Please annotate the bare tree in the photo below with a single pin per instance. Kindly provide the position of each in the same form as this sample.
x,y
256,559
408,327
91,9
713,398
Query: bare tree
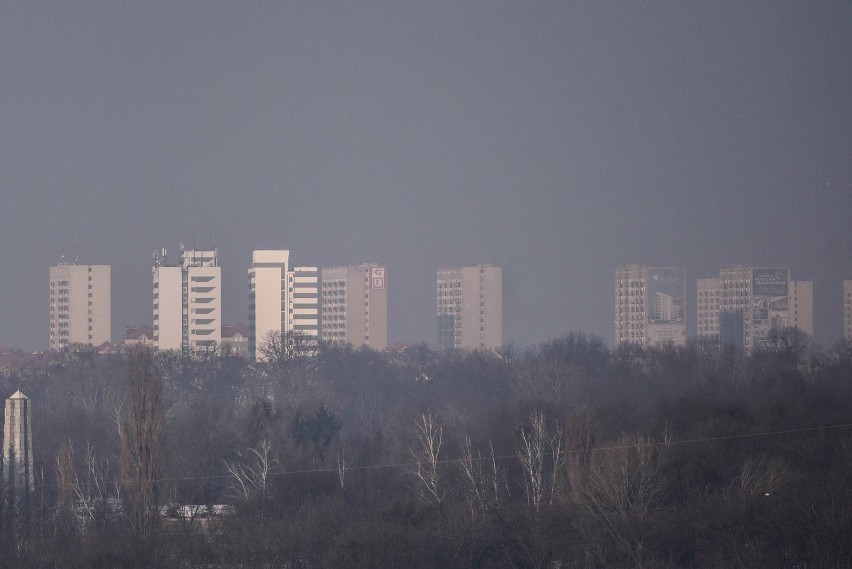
x,y
141,433
93,491
341,468
277,347
531,455
250,478
426,456
486,483
65,481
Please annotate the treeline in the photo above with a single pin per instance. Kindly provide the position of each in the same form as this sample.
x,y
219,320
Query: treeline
x,y
565,455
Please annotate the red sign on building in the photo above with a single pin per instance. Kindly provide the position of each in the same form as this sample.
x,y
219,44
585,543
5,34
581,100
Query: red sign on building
x,y
377,278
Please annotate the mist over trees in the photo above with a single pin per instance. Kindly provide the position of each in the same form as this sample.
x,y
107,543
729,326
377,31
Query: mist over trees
x,y
567,454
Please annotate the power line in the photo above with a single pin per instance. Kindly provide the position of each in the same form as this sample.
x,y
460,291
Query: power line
x,y
502,458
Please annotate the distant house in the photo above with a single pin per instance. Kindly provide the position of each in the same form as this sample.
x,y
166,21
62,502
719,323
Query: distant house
x,y
138,335
235,340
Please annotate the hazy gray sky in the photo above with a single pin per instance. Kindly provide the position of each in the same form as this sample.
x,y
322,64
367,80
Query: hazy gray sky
x,y
556,139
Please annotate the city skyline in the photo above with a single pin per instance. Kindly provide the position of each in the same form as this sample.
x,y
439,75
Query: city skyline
x,y
659,309
556,140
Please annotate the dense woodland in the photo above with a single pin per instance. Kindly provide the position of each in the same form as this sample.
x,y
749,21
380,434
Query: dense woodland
x,y
565,455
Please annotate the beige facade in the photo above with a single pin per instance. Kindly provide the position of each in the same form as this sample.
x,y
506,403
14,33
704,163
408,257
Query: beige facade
x,y
801,306
709,300
650,305
267,295
758,301
80,305
355,306
17,445
470,307
188,302
281,298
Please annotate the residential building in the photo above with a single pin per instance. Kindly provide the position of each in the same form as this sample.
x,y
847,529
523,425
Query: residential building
x,y
80,305
355,306
138,336
470,307
267,295
801,306
235,340
18,473
650,305
847,310
709,301
281,298
188,301
757,299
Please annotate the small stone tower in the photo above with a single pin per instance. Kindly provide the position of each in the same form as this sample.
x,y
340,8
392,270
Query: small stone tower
x,y
18,447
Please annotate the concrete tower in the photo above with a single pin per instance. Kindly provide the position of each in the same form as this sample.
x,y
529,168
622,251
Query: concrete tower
x,y
17,448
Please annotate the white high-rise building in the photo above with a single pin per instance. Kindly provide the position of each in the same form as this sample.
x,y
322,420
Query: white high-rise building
x,y
355,306
267,295
80,305
709,304
801,306
847,310
470,307
756,302
188,301
650,305
281,298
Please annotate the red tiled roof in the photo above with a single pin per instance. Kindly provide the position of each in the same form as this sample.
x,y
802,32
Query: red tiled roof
x,y
231,331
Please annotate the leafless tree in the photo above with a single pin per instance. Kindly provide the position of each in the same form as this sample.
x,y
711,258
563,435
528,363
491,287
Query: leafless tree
x,y
277,347
93,491
341,468
140,432
486,483
531,456
426,456
250,478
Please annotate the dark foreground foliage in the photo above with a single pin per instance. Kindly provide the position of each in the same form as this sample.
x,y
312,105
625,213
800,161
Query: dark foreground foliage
x,y
566,455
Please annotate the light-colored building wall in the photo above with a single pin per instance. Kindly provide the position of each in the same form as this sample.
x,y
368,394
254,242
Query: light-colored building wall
x,y
267,295
281,298
355,306
763,307
470,307
303,311
709,300
168,308
801,306
18,473
188,302
650,305
80,305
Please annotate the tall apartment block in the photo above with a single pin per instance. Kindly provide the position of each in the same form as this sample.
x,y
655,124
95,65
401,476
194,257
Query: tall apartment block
x,y
80,305
756,301
281,298
470,307
187,301
801,306
18,448
709,305
355,306
847,310
650,305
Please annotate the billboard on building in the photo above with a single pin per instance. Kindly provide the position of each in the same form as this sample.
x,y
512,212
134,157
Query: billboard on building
x,y
769,290
378,278
666,287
